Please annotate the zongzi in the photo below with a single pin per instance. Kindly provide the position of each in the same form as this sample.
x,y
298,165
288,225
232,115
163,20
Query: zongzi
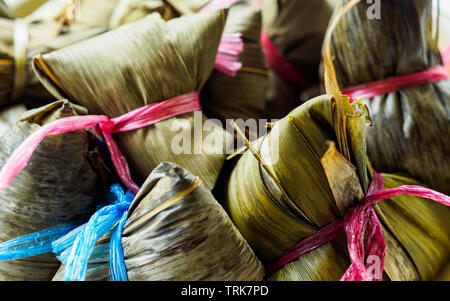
x,y
290,185
45,29
179,57
62,183
293,31
242,96
176,230
274,209
411,122
54,25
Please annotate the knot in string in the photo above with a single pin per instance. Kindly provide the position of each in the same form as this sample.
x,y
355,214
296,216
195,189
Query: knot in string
x,y
107,127
104,127
365,239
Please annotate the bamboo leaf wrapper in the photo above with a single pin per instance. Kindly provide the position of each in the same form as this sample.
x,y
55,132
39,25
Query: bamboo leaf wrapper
x,y
176,230
178,58
52,26
62,183
274,211
45,29
414,119
295,28
242,96
9,116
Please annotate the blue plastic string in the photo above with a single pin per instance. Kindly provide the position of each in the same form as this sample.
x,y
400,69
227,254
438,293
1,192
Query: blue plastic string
x,y
81,249
73,243
63,243
63,246
117,268
33,244
81,245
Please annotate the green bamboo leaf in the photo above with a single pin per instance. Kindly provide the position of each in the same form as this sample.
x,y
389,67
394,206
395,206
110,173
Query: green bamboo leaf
x,y
274,211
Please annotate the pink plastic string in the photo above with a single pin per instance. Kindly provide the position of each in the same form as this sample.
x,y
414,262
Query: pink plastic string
x,y
133,120
356,223
388,85
281,65
227,60
231,45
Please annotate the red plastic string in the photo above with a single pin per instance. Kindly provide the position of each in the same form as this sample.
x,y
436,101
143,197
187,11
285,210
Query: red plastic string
x,y
281,65
356,223
384,86
133,120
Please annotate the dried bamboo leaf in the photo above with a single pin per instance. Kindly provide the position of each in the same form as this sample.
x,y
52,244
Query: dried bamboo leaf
x,y
22,8
296,28
61,183
398,265
323,264
5,12
127,11
54,25
176,230
59,23
9,116
342,178
43,31
243,96
179,58
185,7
